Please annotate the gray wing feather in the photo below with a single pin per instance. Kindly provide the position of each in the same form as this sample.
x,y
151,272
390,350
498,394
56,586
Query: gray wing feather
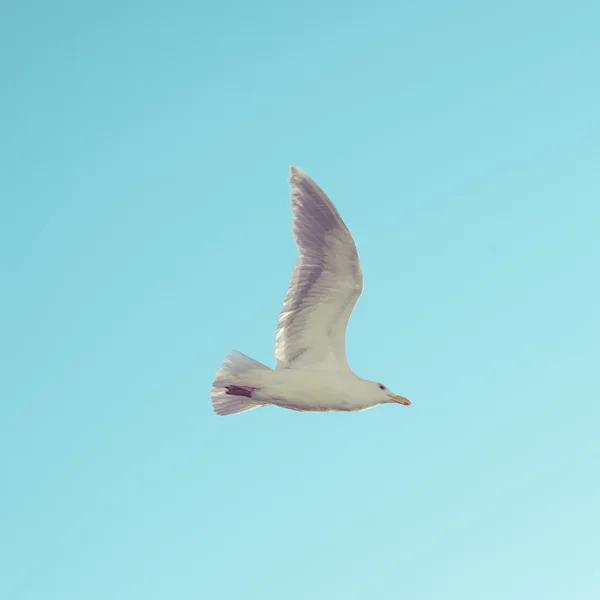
x,y
325,286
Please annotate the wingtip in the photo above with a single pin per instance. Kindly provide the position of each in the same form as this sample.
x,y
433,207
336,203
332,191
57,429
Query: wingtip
x,y
296,173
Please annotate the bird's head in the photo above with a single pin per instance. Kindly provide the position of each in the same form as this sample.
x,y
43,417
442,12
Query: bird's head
x,y
386,396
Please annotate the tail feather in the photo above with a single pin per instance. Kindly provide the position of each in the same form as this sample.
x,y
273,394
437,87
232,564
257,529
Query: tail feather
x,y
232,390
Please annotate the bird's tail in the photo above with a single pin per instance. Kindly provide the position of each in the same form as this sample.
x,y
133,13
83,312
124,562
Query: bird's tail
x,y
236,384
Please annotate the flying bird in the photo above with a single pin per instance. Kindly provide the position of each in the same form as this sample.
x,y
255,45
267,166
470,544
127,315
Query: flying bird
x,y
312,373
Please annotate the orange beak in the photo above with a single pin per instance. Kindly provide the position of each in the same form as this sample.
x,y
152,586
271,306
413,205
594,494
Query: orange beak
x,y
401,400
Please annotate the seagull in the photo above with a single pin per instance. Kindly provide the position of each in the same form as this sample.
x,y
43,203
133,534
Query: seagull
x,y
312,373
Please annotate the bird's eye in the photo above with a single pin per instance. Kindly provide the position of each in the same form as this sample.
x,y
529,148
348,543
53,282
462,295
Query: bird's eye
x,y
381,387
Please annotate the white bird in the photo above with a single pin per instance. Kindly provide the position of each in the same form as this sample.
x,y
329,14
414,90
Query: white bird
x,y
312,373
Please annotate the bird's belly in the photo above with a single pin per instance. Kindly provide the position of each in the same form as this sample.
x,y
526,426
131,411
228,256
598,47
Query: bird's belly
x,y
305,394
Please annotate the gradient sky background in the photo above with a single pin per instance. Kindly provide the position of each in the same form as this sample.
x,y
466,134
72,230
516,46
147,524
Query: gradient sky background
x,y
145,232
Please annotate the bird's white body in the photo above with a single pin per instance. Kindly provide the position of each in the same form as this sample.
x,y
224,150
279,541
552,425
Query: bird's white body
x,y
317,390
312,374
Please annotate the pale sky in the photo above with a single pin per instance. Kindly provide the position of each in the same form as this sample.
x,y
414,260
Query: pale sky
x,y
146,231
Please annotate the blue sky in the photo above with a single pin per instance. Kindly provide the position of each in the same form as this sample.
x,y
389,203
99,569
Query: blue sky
x,y
145,232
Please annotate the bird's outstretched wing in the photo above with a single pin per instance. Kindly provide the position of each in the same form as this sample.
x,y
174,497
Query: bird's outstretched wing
x,y
325,286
